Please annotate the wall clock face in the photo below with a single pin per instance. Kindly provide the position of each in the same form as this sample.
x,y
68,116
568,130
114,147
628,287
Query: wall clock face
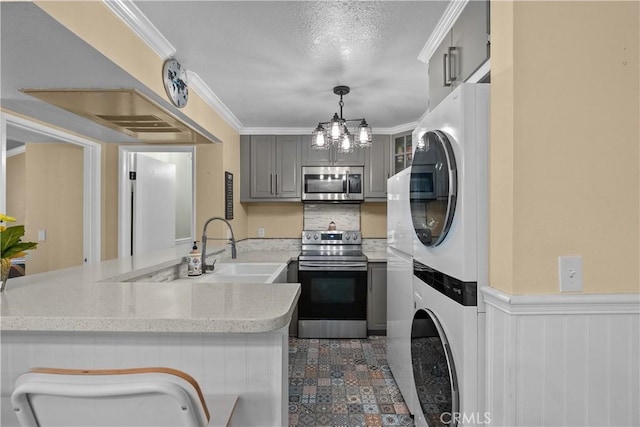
x,y
175,82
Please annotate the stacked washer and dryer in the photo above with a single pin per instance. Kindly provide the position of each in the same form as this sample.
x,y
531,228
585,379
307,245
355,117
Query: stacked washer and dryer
x,y
436,316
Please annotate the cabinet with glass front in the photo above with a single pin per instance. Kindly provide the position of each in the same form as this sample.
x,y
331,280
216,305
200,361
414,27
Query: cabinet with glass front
x,y
401,151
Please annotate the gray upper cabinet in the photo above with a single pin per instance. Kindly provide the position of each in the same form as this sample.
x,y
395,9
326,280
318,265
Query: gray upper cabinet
x,y
377,169
470,36
274,167
330,157
462,51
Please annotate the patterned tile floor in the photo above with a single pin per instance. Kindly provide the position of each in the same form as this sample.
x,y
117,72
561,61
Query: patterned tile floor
x,y
343,382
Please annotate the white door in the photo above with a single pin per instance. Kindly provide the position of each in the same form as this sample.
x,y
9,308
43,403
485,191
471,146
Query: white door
x,y
154,205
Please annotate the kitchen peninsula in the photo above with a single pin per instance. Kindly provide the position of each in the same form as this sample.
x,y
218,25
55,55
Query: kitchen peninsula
x,y
231,337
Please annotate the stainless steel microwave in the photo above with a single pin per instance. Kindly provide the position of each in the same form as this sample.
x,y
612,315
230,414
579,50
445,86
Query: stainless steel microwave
x,y
332,183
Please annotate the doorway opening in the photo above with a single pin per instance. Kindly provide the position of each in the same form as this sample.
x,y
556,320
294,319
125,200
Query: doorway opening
x,y
50,223
156,198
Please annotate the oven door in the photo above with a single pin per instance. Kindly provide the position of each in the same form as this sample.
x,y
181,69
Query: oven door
x,y
332,303
332,295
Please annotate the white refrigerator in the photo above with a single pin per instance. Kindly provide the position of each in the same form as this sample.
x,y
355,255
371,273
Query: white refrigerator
x,y
400,305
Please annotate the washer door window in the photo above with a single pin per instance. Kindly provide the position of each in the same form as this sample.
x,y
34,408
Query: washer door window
x,y
433,371
433,188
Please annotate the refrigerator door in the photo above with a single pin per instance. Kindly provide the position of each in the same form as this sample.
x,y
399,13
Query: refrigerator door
x,y
399,225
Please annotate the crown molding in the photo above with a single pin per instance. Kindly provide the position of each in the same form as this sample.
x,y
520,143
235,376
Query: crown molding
x,y
137,21
397,129
442,28
307,131
196,83
275,131
15,151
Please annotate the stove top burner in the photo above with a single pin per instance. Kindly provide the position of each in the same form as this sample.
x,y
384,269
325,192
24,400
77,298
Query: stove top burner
x,y
331,246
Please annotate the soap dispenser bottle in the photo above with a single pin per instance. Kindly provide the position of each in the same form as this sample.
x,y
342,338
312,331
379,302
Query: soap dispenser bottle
x,y
194,267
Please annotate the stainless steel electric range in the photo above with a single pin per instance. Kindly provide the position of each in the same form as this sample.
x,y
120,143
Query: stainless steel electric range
x,y
332,271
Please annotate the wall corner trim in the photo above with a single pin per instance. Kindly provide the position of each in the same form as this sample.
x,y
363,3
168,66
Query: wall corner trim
x,y
518,305
137,22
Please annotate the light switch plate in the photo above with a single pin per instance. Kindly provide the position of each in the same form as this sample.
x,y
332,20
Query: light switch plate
x,y
261,232
570,273
42,235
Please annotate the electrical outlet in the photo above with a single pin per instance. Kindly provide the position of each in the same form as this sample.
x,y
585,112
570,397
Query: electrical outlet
x,y
42,235
570,273
261,232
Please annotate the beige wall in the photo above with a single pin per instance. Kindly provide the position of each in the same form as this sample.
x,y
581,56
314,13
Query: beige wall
x,y
564,162
373,220
109,200
100,28
54,200
283,220
16,187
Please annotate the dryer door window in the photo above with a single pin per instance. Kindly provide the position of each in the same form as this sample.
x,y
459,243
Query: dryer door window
x,y
433,188
433,371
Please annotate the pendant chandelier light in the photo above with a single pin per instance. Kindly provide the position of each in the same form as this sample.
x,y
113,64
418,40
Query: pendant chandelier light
x,y
336,133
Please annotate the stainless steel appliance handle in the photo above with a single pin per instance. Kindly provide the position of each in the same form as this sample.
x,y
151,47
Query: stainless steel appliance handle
x,y
445,72
453,72
347,184
331,266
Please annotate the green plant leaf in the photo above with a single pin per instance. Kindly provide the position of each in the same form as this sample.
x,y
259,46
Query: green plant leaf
x,y
10,244
10,237
17,248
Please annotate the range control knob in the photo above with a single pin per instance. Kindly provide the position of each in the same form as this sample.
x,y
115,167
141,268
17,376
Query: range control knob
x,y
315,237
355,236
348,236
308,236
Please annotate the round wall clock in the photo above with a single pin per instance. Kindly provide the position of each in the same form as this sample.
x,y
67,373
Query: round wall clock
x,y
175,82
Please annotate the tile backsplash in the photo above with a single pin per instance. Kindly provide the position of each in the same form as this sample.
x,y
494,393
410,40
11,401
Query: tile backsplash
x,y
318,216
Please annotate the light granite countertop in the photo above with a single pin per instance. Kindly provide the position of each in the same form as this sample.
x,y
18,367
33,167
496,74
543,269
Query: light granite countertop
x,y
93,298
376,256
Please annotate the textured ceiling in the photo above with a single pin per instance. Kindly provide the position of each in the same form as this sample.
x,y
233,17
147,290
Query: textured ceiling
x,y
273,64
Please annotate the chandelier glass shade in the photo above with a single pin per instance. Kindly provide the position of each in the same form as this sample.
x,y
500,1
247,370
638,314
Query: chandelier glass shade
x,y
335,133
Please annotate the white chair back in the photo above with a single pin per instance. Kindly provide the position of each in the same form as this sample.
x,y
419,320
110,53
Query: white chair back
x,y
122,397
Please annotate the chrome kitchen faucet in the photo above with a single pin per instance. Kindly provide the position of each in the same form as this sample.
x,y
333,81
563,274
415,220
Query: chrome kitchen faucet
x,y
232,240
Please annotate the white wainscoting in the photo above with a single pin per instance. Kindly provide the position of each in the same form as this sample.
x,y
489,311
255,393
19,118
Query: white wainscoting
x,y
251,366
563,360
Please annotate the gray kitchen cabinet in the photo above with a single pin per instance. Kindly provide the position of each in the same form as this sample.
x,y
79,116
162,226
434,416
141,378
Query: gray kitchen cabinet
x,y
377,297
274,167
377,169
462,51
402,151
330,157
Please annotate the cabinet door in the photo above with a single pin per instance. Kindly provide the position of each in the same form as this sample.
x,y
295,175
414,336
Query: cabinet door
x,y
263,166
438,67
311,157
288,170
377,297
376,168
356,158
470,38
